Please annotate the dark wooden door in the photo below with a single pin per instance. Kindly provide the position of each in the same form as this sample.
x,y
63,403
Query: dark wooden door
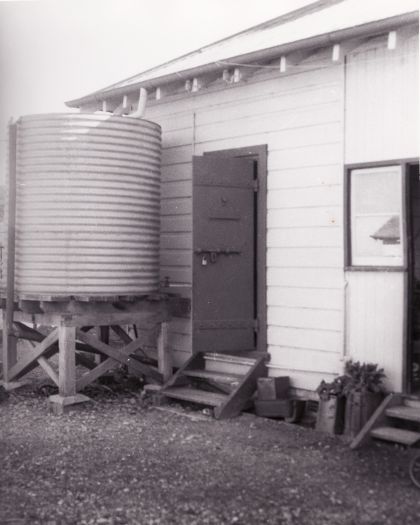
x,y
223,254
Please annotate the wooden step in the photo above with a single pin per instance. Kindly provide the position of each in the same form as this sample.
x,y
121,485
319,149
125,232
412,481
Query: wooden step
x,y
407,413
396,435
228,358
237,392
412,401
377,420
218,377
227,363
196,396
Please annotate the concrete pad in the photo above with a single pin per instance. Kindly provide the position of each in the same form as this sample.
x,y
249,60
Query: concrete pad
x,y
59,405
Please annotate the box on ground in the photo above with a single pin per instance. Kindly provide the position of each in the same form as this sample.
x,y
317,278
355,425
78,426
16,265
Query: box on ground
x,y
272,388
282,408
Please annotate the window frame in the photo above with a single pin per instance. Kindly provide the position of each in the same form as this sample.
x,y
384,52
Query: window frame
x,y
348,168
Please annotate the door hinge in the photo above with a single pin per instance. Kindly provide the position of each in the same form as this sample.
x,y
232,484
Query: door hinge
x,y
256,325
256,184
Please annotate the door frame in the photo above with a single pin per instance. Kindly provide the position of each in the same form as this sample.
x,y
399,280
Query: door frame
x,y
259,154
407,382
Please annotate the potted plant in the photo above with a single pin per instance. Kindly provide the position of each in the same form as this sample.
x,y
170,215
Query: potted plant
x,y
364,391
330,416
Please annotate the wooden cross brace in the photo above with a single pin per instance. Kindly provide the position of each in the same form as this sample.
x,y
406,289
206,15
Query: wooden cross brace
x,y
62,340
43,349
67,340
116,357
30,338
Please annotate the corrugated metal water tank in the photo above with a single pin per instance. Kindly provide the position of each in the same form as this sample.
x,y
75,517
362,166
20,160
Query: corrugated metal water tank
x,y
88,205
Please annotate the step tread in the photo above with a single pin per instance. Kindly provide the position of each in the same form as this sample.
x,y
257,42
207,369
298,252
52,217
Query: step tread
x,y
397,435
229,358
195,395
404,412
412,401
220,377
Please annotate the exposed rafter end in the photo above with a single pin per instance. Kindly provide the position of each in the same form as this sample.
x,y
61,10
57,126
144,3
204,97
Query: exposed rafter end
x,y
227,76
293,59
340,50
194,85
392,40
235,75
336,52
123,108
283,64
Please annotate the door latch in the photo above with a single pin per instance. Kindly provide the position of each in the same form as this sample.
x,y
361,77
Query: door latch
x,y
208,256
217,251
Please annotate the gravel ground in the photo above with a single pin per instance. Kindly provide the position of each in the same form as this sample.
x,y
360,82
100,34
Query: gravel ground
x,y
120,460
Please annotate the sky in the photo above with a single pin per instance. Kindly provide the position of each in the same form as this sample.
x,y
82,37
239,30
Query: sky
x,y
53,51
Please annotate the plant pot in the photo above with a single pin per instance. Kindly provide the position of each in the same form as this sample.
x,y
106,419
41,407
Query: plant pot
x,y
359,407
330,417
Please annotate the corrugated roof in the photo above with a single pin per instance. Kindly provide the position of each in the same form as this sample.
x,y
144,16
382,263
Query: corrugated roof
x,y
321,18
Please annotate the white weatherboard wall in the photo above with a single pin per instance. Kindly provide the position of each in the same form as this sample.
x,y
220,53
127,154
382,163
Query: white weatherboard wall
x,y
382,100
299,116
382,111
375,326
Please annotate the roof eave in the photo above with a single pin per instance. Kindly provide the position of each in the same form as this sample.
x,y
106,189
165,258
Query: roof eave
x,y
317,41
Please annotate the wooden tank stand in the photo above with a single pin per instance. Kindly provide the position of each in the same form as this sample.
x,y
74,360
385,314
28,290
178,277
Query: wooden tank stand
x,y
70,321
72,337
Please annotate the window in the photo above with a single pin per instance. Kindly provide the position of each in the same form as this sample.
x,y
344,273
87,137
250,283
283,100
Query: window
x,y
376,199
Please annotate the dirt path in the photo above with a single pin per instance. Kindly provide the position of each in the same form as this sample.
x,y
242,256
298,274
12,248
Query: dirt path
x,y
118,461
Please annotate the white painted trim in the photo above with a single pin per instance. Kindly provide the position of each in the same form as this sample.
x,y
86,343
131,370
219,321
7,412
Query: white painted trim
x,y
283,64
336,52
392,40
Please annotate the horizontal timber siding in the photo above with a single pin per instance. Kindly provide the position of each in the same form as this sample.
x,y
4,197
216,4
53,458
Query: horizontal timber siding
x,y
300,118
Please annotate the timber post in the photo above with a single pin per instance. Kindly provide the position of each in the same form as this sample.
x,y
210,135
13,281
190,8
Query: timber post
x,y
164,357
67,395
9,339
67,360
